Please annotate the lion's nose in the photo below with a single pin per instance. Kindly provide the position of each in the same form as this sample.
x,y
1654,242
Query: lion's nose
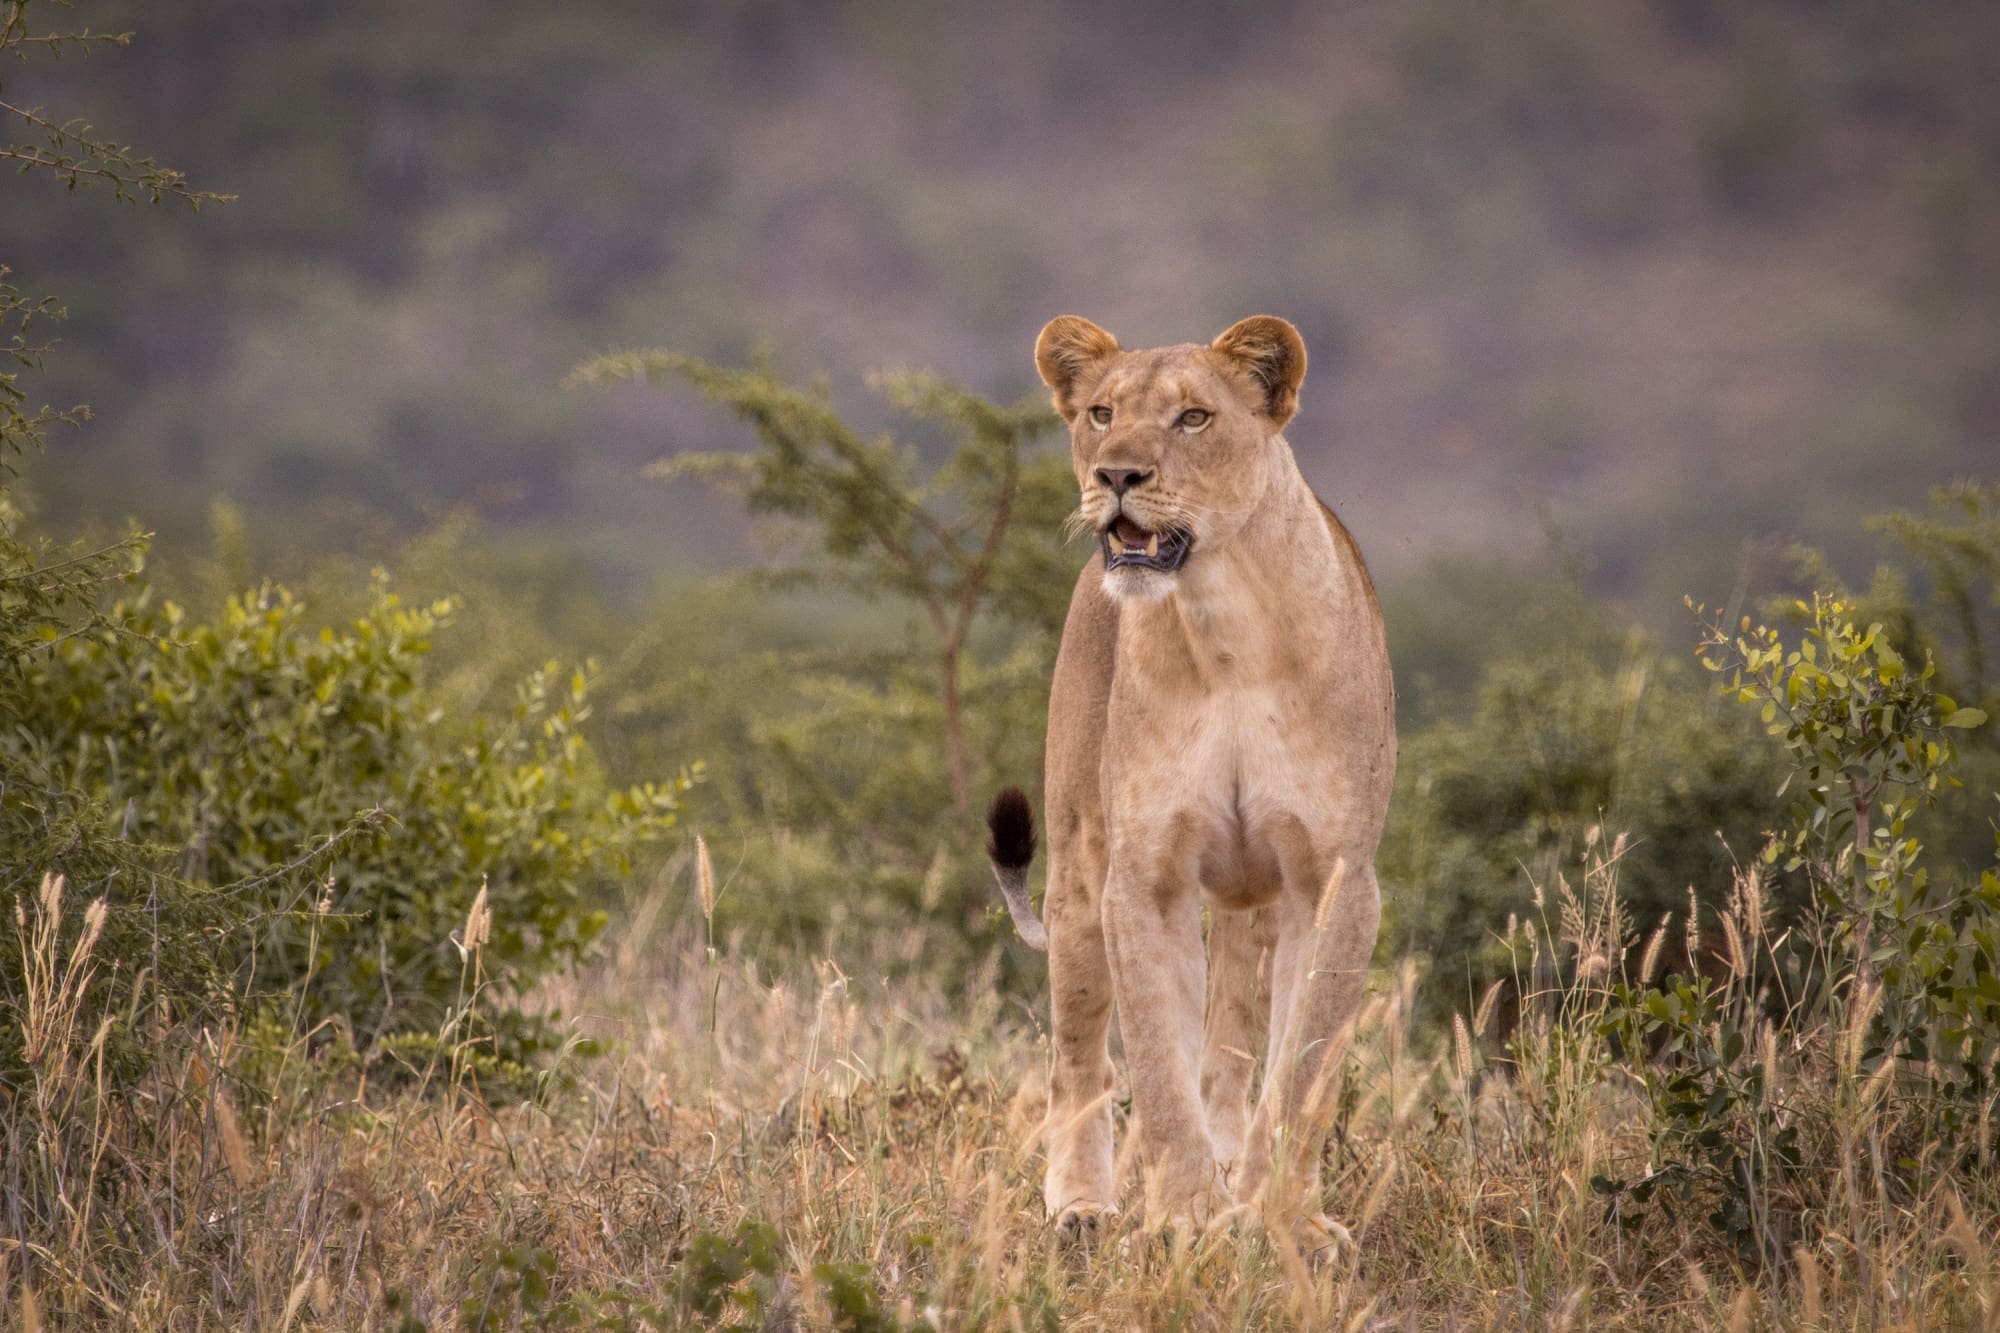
x,y
1122,479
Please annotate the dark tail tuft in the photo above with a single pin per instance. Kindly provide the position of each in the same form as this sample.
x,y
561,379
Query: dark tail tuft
x,y
1011,847
1011,827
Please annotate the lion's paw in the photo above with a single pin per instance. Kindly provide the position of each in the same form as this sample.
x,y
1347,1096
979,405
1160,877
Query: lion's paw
x,y
1322,1240
1081,1226
1318,1239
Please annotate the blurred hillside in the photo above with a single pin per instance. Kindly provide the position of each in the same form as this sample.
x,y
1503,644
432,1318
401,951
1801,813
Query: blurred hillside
x,y
1676,274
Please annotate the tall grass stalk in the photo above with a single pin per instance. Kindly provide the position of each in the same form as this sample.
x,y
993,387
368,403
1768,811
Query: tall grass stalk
x,y
887,1132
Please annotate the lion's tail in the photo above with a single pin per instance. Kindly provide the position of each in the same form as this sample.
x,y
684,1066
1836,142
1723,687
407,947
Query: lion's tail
x,y
1010,846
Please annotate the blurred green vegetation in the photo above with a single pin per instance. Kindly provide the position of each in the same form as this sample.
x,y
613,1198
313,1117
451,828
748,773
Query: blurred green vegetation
x,y
276,810
1569,727
862,747
232,790
1553,751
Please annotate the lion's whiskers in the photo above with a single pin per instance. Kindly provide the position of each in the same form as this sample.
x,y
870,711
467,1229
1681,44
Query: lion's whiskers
x,y
1192,508
1077,523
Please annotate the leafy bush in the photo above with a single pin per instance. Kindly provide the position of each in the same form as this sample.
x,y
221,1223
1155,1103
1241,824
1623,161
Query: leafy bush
x,y
255,747
152,944
1936,594
1872,744
1549,750
1890,988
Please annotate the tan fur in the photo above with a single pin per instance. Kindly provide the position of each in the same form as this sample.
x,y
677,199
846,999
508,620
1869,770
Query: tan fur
x,y
1221,736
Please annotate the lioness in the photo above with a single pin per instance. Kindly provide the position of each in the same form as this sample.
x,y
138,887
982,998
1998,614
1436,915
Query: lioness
x,y
1221,733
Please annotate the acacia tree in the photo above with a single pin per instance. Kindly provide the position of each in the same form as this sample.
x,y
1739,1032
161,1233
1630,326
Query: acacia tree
x,y
41,585
971,537
71,150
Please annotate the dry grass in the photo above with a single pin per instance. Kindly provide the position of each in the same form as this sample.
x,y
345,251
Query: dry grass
x,y
887,1127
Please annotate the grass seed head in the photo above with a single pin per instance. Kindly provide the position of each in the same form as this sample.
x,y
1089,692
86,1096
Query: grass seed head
x,y
479,920
704,878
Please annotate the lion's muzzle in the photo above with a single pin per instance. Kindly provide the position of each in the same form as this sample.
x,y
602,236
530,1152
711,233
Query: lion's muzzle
x,y
1128,545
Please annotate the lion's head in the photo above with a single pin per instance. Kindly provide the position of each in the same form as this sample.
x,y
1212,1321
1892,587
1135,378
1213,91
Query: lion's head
x,y
1174,447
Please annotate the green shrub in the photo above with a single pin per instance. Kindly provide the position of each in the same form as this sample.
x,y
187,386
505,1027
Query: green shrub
x,y
1872,744
1504,792
1936,595
152,952
1890,988
149,953
257,746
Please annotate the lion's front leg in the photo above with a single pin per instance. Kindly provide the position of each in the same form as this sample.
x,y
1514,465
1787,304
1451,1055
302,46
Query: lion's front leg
x,y
1320,972
1240,948
1078,1189
1153,933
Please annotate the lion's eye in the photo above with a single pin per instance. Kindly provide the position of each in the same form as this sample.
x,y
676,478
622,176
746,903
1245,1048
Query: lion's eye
x,y
1100,416
1193,419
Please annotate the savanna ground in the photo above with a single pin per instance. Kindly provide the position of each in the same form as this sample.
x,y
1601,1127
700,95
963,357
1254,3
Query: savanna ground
x,y
825,1150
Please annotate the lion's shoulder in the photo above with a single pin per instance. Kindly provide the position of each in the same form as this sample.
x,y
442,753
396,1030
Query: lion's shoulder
x,y
1350,553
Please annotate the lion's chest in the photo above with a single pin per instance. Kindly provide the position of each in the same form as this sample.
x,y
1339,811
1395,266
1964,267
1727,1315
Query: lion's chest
x,y
1225,795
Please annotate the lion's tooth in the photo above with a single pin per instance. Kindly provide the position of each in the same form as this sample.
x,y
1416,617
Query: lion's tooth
x,y
1153,546
1117,547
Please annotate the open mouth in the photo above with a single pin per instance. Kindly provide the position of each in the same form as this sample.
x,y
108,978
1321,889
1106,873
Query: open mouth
x,y
1129,546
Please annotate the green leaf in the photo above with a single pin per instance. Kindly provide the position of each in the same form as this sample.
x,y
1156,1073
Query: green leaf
x,y
1965,717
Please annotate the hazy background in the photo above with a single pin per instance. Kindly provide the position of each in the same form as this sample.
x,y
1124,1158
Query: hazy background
x,y
1665,277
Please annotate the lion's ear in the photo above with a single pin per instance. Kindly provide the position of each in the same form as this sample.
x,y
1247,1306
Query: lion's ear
x,y
1271,350
1071,353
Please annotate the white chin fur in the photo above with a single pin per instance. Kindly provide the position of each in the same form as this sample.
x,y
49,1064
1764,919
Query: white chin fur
x,y
1139,585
